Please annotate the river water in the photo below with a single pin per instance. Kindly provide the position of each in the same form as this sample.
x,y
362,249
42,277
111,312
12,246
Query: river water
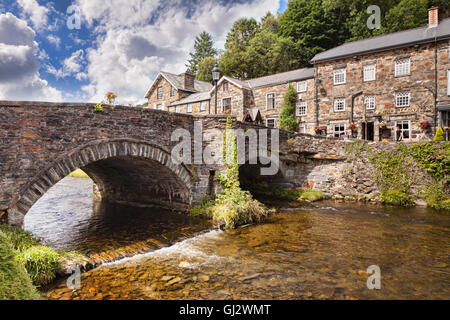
x,y
316,251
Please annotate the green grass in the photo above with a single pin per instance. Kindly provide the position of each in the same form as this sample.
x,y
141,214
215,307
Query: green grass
x,y
78,174
311,195
40,262
397,198
15,283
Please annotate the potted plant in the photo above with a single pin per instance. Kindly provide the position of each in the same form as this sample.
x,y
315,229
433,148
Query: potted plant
x,y
383,125
110,97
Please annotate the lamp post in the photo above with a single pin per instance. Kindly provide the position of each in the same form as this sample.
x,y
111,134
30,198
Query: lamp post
x,y
216,76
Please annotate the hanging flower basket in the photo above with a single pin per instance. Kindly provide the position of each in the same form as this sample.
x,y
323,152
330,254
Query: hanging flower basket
x,y
353,126
424,124
383,125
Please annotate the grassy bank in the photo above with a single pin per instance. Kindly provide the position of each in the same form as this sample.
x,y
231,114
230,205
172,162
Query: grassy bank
x,y
26,265
262,191
78,174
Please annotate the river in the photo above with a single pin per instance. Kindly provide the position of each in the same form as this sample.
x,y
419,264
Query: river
x,y
315,251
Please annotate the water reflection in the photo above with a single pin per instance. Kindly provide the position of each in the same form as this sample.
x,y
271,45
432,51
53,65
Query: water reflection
x,y
318,251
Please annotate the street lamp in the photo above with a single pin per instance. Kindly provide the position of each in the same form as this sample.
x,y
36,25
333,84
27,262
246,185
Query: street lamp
x,y
216,76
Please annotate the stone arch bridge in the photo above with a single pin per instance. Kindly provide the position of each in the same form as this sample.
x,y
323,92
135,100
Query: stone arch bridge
x,y
125,150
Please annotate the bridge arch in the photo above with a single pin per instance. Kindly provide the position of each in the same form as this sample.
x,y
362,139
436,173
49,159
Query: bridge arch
x,y
122,170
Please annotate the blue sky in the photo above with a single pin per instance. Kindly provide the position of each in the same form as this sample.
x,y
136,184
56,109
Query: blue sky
x,y
120,46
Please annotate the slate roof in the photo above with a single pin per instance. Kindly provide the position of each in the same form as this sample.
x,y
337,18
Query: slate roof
x,y
279,78
389,41
195,97
176,81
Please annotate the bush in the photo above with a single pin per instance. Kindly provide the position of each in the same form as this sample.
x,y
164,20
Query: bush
x,y
436,197
439,135
287,114
397,198
42,263
15,283
235,207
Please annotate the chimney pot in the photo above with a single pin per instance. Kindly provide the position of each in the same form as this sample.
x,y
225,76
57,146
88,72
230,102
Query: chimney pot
x,y
433,16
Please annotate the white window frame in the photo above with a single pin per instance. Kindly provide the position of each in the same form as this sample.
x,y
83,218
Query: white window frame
x,y
302,86
402,95
302,128
159,94
448,82
177,109
369,102
162,107
203,106
336,101
409,128
267,101
231,103
342,133
172,91
300,105
189,108
370,70
337,73
402,67
274,122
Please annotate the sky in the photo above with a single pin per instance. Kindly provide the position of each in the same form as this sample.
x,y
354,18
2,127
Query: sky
x,y
118,45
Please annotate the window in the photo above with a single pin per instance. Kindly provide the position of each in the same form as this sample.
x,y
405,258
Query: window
x,y
270,101
172,91
402,99
177,109
369,101
339,130
159,93
369,72
162,107
271,123
402,130
448,82
189,108
226,105
301,108
339,76
339,105
203,106
301,86
402,67
302,129
225,86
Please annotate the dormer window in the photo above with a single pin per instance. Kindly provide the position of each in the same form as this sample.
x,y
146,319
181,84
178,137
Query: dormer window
x,y
402,67
340,76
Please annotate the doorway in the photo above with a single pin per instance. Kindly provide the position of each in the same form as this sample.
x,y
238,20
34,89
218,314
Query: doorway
x,y
370,131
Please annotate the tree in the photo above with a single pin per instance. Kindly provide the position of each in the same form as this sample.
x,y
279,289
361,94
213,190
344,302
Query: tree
x,y
439,135
203,47
205,69
287,114
407,14
314,27
233,61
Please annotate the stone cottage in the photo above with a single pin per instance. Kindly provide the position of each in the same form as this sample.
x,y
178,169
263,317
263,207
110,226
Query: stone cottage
x,y
390,87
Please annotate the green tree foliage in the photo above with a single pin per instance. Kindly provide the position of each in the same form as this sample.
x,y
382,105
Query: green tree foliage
x,y
203,48
407,14
205,69
233,61
314,27
287,114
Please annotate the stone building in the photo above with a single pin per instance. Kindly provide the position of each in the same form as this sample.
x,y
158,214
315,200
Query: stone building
x,y
390,87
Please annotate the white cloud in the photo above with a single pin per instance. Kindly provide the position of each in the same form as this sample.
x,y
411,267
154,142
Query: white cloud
x,y
130,51
38,14
54,40
19,65
70,66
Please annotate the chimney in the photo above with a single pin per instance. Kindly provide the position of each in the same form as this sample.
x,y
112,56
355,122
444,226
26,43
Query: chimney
x,y
187,80
433,17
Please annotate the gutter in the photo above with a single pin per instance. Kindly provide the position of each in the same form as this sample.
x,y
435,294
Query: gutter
x,y
353,104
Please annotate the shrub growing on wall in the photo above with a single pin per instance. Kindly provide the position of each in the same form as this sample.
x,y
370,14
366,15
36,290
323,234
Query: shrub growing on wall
x,y
287,114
